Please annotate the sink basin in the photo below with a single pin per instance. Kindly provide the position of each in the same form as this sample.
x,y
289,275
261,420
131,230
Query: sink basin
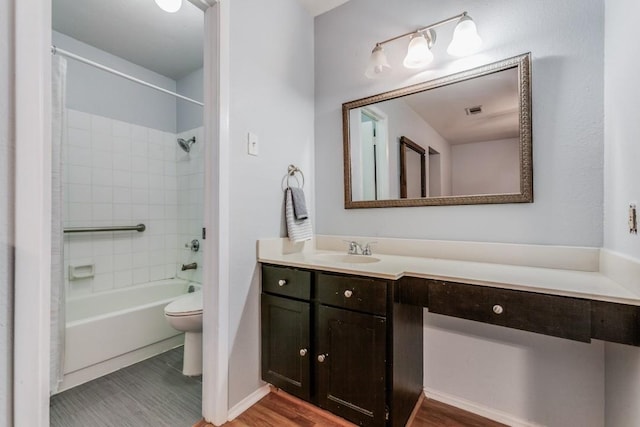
x,y
347,259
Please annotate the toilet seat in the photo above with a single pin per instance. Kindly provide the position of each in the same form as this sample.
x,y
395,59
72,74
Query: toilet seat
x,y
187,305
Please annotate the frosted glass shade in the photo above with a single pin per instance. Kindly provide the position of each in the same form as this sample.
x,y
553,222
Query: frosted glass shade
x,y
418,53
466,40
378,64
170,6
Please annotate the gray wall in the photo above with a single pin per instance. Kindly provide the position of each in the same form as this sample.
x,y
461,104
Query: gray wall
x,y
566,41
622,175
98,92
271,73
189,115
7,139
549,381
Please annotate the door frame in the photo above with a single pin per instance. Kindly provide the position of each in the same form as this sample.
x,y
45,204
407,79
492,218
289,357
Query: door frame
x,y
32,108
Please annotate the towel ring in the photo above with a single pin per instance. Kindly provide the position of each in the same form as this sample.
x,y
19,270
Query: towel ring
x,y
291,172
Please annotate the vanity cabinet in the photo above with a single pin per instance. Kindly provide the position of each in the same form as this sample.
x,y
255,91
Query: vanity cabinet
x,y
286,344
578,319
342,343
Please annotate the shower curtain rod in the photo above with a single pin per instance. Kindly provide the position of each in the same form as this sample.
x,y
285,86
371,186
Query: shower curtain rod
x,y
58,51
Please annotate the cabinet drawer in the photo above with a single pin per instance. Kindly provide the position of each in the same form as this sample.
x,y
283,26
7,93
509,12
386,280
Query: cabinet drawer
x,y
285,281
353,293
545,314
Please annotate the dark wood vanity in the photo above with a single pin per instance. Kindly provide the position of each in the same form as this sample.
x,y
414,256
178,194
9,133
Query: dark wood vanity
x,y
353,344
343,343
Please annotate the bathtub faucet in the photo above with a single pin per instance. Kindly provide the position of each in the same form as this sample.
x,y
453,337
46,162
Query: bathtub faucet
x,y
191,266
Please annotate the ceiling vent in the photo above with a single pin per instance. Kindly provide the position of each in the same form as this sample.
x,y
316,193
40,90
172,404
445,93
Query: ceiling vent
x,y
473,110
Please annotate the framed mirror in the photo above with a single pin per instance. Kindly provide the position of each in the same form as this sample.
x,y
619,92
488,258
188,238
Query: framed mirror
x,y
457,140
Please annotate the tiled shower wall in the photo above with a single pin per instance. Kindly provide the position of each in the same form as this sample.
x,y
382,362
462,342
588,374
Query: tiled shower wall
x,y
116,173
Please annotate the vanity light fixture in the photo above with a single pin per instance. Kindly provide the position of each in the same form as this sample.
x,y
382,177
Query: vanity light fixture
x,y
170,6
465,42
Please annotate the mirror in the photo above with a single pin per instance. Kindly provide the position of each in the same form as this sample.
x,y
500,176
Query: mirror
x,y
461,139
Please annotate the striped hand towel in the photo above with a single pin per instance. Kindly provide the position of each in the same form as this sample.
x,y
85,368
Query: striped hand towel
x,y
298,230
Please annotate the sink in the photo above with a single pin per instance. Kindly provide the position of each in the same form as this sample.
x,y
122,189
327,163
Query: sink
x,y
347,259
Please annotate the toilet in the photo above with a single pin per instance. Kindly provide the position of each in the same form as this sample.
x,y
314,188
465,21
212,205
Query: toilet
x,y
185,314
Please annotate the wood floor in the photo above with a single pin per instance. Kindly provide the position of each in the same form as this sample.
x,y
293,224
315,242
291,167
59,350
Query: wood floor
x,y
280,410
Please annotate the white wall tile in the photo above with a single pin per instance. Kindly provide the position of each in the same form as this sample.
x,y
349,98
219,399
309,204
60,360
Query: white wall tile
x,y
79,156
78,193
101,159
101,124
122,129
103,177
122,195
140,275
79,137
122,179
139,133
139,148
78,120
122,162
79,175
121,145
123,278
103,282
116,173
101,141
122,262
103,264
101,194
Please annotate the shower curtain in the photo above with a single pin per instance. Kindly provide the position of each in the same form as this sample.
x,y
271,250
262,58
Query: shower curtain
x,y
59,77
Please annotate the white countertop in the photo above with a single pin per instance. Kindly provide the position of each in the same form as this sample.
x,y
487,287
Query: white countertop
x,y
555,281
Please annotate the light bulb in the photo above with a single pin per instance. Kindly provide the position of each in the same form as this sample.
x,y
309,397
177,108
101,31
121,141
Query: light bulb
x,y
170,6
378,64
418,53
466,40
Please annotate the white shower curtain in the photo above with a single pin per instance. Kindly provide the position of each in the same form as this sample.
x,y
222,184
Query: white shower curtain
x,y
59,77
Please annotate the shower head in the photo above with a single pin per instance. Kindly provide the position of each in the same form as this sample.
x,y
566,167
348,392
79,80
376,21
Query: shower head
x,y
186,144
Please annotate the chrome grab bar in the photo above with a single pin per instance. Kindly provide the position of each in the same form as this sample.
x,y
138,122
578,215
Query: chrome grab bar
x,y
140,228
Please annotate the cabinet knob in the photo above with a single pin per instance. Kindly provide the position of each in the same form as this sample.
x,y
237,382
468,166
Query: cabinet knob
x,y
303,352
282,282
497,309
322,357
348,293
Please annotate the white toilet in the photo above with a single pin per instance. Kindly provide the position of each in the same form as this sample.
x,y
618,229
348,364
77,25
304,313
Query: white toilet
x,y
185,314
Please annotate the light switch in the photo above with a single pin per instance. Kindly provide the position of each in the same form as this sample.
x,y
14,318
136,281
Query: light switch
x,y
252,144
633,219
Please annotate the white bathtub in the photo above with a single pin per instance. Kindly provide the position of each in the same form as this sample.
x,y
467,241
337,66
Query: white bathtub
x,y
113,329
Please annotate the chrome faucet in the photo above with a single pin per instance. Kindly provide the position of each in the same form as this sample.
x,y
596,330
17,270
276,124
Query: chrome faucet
x,y
356,248
191,266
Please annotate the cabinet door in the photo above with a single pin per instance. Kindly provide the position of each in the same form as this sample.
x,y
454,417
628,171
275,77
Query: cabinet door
x,y
285,345
351,365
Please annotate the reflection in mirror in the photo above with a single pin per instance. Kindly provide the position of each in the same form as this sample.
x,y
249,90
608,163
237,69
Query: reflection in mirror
x,y
467,136
413,181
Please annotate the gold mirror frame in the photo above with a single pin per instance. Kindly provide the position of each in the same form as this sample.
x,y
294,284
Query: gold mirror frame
x,y
523,64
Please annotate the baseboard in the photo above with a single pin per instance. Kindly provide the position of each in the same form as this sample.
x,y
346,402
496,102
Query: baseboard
x,y
483,411
248,402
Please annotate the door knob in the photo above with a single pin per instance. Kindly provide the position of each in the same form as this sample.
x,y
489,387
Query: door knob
x,y
282,282
303,352
322,357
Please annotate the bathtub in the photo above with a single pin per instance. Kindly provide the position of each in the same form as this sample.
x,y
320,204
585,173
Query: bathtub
x,y
110,330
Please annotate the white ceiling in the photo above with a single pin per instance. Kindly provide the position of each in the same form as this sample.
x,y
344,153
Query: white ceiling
x,y
138,31
318,7
444,108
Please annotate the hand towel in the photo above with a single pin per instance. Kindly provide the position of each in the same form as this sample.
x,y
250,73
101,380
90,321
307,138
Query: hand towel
x,y
299,203
298,230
